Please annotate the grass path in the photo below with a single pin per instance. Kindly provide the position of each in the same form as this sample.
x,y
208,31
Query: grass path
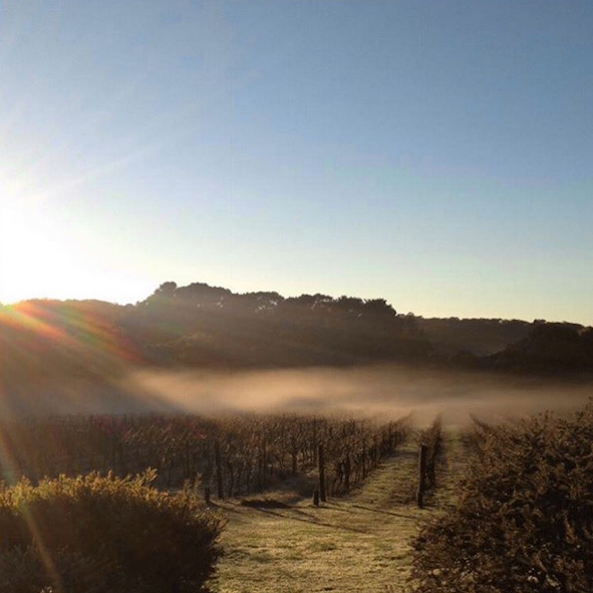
x,y
354,544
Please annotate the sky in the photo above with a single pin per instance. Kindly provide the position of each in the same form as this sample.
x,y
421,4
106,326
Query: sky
x,y
438,154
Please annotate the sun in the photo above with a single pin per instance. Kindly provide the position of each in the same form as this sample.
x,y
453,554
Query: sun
x,y
33,257
45,252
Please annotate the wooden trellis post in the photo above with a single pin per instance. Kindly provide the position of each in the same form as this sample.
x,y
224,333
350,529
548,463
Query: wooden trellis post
x,y
218,464
321,457
422,454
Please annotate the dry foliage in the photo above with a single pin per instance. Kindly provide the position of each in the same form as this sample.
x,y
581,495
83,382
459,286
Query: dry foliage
x,y
524,521
99,534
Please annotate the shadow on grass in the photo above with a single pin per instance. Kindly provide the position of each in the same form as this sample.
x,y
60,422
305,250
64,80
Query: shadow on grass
x,y
306,518
371,510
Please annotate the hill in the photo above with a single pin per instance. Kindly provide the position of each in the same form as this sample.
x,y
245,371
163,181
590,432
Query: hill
x,y
201,325
548,348
480,337
45,342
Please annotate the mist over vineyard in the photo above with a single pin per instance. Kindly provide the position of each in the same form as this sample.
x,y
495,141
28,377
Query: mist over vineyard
x,y
368,391
205,349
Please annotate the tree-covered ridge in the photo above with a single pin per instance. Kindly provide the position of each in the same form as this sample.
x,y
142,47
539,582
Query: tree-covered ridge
x,y
557,347
480,337
203,325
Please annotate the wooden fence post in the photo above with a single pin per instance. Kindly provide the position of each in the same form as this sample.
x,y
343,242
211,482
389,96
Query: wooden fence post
x,y
421,475
232,479
314,441
264,462
218,464
321,457
316,497
347,469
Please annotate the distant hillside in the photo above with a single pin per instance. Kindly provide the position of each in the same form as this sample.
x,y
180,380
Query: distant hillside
x,y
549,348
198,326
201,325
480,337
44,342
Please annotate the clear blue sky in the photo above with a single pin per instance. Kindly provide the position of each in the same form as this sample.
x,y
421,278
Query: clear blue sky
x,y
437,153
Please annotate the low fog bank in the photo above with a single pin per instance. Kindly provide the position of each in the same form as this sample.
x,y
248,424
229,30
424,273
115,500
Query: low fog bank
x,y
384,392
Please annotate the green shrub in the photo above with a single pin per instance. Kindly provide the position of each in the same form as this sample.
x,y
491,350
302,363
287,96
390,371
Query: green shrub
x,y
524,520
148,540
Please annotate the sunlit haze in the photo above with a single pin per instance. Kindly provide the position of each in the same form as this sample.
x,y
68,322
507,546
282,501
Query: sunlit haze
x,y
436,154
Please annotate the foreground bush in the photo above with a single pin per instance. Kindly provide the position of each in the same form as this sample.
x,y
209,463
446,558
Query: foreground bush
x,y
103,534
524,522
22,570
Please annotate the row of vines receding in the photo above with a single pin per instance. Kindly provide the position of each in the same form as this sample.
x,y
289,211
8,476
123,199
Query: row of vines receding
x,y
231,455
